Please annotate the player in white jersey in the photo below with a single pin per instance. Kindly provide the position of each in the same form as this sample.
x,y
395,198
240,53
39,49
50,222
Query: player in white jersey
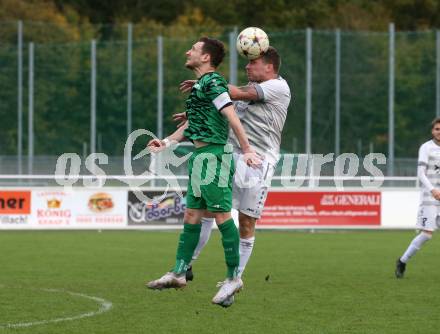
x,y
428,172
262,108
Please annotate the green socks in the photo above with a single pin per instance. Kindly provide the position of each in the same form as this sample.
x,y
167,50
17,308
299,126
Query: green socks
x,y
188,241
231,244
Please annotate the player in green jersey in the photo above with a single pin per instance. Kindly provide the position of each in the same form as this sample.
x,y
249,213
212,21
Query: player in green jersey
x,y
210,113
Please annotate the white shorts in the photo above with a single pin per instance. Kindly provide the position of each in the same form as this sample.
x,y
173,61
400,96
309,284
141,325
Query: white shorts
x,y
428,217
249,191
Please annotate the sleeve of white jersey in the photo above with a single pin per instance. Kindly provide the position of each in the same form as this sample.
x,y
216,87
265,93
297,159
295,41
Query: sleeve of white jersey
x,y
421,174
422,165
423,156
270,90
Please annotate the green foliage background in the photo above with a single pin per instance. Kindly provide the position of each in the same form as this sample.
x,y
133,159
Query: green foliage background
x,y
62,30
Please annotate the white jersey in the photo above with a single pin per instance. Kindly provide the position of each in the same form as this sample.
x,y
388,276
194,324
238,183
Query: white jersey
x,y
263,120
429,156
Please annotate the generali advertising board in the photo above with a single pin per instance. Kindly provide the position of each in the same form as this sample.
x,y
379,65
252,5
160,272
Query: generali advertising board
x,y
339,208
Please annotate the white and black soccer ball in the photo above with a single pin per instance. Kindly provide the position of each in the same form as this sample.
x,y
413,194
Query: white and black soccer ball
x,y
252,42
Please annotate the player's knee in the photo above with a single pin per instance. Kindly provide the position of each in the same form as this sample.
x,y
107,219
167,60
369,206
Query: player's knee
x,y
427,234
191,216
246,232
221,217
247,227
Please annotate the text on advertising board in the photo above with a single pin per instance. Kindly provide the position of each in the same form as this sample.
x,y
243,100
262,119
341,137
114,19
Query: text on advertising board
x,y
15,202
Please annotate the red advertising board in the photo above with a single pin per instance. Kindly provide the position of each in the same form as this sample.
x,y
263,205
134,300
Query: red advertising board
x,y
15,202
326,208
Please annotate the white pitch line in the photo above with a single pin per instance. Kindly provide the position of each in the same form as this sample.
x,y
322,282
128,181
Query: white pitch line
x,y
105,306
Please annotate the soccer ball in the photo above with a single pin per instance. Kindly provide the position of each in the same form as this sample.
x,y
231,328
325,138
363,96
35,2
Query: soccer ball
x,y
252,42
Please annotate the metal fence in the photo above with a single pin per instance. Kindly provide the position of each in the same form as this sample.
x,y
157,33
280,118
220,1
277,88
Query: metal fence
x,y
357,92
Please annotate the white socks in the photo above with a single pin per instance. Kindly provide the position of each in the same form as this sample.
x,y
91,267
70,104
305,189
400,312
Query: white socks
x,y
415,245
205,233
246,246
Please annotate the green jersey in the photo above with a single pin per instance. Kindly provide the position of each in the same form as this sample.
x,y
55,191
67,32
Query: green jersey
x,y
208,96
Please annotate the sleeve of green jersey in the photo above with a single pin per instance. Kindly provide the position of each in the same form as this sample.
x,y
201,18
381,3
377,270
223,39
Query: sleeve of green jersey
x,y
217,91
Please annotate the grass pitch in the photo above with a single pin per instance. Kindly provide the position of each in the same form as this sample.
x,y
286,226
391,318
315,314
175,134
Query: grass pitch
x,y
295,282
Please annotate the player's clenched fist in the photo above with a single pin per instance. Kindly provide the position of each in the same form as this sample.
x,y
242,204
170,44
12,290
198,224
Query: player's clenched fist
x,y
156,145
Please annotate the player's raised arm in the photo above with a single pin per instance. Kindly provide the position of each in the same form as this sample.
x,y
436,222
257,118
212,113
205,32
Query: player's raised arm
x,y
244,93
252,158
157,145
177,136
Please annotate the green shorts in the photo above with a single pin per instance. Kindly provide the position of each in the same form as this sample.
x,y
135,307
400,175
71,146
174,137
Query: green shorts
x,y
211,169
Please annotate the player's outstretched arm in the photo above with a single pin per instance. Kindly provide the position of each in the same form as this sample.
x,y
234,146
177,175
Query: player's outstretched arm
x,y
244,93
177,136
157,145
251,156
